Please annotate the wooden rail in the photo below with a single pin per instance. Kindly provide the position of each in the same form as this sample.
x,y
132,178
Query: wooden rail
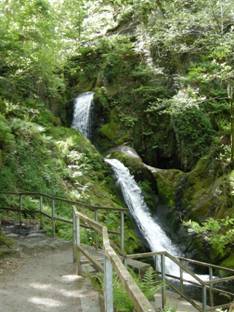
x,y
65,200
113,261
54,217
204,285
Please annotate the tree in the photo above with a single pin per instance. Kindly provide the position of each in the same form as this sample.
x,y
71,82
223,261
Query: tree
x,y
29,50
230,96
70,19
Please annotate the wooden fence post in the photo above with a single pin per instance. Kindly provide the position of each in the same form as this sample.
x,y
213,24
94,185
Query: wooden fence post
x,y
204,298
163,272
96,219
20,209
122,231
108,284
181,278
74,236
77,240
53,218
211,287
41,207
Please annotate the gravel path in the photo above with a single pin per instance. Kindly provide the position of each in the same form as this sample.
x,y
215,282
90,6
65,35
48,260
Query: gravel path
x,y
44,281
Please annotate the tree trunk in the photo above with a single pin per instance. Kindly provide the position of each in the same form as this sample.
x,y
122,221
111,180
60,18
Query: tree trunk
x,y
232,134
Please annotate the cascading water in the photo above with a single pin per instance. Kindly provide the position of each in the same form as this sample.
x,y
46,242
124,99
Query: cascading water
x,y
153,233
82,113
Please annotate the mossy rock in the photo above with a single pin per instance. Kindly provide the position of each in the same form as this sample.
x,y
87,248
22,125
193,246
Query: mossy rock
x,y
228,262
167,181
113,131
206,191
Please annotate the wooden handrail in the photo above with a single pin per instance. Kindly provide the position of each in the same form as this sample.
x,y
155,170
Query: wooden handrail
x,y
77,202
199,282
140,302
192,302
186,269
153,253
206,264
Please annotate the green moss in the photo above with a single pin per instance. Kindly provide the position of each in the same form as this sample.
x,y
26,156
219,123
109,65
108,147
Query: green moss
x,y
207,190
167,181
112,131
228,262
61,162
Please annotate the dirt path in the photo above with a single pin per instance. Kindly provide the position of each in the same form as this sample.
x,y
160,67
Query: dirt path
x,y
45,281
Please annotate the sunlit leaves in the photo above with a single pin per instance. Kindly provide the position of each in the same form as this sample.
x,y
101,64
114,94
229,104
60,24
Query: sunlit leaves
x,y
218,232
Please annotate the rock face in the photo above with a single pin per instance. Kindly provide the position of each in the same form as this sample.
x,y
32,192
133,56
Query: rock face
x,y
126,150
204,192
151,97
176,196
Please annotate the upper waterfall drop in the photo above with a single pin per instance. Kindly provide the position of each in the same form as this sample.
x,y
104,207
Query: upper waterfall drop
x,y
154,234
82,113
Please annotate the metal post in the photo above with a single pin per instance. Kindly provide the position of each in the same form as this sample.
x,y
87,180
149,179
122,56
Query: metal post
x,y
211,286
74,229
122,231
204,298
41,207
156,270
74,236
108,291
53,218
96,219
163,273
181,278
20,209
155,263
77,240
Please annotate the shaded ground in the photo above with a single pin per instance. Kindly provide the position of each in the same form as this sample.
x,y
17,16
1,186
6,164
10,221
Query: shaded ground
x,y
42,279
174,301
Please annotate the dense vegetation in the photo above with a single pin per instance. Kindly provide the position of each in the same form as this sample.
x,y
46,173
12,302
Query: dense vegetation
x,y
163,78
162,72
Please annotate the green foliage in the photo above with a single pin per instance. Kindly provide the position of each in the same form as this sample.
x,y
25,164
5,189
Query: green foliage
x,y
148,284
29,47
73,12
192,128
6,137
181,39
218,232
5,241
161,89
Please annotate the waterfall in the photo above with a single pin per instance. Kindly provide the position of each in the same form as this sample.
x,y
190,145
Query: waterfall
x,y
153,233
82,113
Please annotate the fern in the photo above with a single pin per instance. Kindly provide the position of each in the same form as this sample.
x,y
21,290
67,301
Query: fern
x,y
149,284
122,303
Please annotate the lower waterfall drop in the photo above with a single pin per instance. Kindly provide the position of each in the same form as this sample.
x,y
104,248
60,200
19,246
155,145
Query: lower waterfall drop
x,y
153,233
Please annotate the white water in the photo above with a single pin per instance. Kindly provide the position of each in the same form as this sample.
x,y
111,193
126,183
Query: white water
x,y
82,113
153,233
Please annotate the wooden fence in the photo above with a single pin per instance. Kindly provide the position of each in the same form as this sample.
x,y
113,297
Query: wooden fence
x,y
113,261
